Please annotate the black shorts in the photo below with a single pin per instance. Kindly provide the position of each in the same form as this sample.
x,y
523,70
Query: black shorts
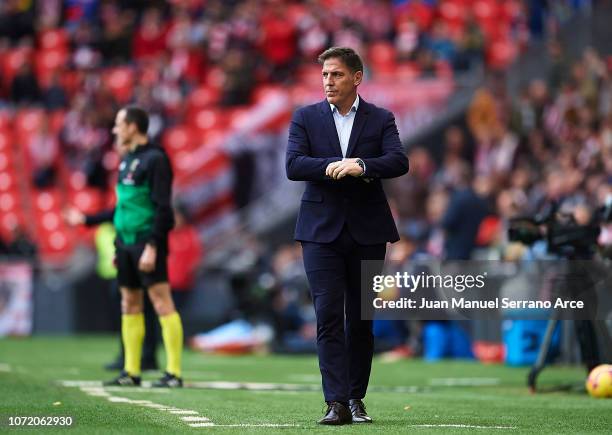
x,y
128,273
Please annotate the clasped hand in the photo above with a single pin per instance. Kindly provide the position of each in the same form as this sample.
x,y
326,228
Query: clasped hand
x,y
341,168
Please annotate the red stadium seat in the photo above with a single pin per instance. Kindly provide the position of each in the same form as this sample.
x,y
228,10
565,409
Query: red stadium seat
x,y
453,12
55,245
54,39
120,82
46,200
203,97
71,81
27,122
47,63
49,221
8,181
56,120
6,119
9,202
207,119
87,200
76,181
500,53
485,10
382,57
6,139
9,221
6,161
215,78
179,137
511,10
13,60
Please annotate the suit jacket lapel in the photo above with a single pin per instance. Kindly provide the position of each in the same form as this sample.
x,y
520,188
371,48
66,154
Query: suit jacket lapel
x,y
327,119
360,120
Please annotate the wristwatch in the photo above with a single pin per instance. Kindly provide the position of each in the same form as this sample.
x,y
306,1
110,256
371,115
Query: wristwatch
x,y
362,165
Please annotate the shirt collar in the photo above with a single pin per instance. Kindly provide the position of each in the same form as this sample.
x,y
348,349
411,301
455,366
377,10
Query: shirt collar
x,y
354,107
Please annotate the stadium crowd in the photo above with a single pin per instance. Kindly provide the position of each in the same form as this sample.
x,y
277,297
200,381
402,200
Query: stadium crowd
x,y
79,61
82,60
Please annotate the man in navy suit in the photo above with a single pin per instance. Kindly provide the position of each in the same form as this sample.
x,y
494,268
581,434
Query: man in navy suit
x,y
342,147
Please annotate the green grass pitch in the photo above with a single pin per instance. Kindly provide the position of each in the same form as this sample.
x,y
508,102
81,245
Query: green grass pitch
x,y
500,403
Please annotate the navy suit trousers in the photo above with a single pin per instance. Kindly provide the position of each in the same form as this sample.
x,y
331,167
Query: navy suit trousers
x,y
345,343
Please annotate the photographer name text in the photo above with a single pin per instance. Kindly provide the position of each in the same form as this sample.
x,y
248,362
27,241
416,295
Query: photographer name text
x,y
463,303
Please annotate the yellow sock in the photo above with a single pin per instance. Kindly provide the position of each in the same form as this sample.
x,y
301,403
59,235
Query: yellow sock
x,y
132,333
172,333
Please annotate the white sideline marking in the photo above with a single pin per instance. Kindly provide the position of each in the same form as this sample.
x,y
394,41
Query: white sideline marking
x,y
98,391
6,368
201,424
464,382
119,399
254,425
155,406
145,388
252,386
465,426
226,385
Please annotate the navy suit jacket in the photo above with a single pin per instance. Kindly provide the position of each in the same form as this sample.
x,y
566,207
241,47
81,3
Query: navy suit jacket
x,y
359,202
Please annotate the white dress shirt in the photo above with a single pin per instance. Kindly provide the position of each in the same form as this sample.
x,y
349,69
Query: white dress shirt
x,y
344,124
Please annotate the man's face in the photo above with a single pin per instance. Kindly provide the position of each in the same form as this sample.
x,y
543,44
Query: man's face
x,y
122,129
339,82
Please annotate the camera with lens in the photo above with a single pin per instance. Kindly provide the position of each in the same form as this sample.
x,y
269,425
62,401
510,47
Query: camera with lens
x,y
563,234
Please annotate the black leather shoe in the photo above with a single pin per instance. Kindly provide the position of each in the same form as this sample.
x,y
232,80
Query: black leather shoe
x,y
358,410
336,414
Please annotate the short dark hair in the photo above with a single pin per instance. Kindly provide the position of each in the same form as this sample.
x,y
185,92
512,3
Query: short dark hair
x,y
346,55
138,116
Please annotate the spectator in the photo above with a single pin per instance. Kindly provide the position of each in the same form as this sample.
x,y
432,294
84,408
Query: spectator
x,y
411,191
24,88
462,218
440,43
185,254
278,43
21,245
55,96
43,153
150,37
16,19
115,40
238,82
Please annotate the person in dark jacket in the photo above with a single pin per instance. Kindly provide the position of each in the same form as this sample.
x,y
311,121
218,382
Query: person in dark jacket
x,y
342,148
463,217
143,217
